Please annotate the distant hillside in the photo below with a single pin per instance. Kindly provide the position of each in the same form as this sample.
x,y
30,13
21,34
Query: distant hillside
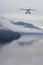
x,y
27,25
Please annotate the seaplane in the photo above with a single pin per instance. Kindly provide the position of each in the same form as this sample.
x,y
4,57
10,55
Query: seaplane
x,y
28,11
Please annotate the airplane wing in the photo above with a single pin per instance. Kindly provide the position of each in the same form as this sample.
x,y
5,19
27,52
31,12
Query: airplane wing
x,y
32,9
28,9
23,9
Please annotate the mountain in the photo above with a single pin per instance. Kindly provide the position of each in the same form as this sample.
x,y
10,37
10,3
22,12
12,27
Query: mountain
x,y
26,25
19,26
8,36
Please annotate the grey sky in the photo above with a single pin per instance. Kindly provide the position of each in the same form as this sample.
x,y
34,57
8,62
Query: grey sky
x,y
14,5
7,7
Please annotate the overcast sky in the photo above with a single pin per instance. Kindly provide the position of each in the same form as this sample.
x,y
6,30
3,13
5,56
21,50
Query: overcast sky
x,y
14,5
